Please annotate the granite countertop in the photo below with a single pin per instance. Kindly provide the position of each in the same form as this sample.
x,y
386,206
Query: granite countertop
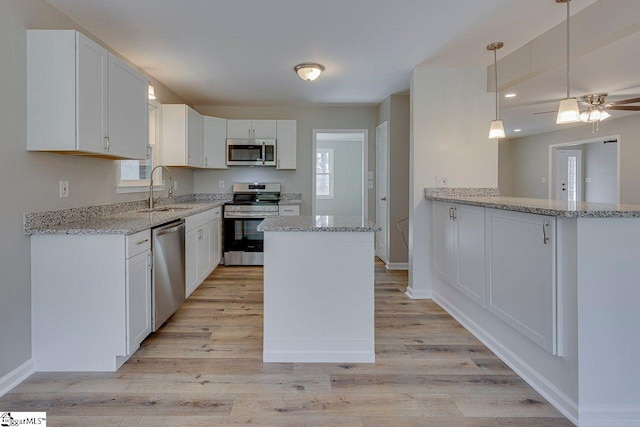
x,y
542,206
126,222
326,223
290,202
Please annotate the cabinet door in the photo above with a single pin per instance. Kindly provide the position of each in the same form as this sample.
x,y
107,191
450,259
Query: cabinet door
x,y
215,244
191,262
239,129
138,299
204,252
264,128
286,144
194,138
91,103
215,143
444,241
521,273
128,130
470,259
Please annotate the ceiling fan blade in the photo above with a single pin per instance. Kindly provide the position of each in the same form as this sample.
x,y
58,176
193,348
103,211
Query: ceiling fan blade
x,y
624,107
626,101
546,112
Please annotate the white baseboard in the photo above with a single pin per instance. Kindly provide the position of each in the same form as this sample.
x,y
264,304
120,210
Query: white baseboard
x,y
397,266
556,397
318,356
15,377
413,294
610,416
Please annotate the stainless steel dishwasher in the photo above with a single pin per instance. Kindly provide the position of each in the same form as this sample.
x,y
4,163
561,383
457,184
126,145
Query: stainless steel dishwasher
x,y
168,285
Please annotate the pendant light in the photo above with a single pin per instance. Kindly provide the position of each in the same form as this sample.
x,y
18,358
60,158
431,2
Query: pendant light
x,y
152,92
497,127
568,111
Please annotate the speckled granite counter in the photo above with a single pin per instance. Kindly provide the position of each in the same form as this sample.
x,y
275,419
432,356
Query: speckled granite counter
x,y
319,223
128,222
288,199
540,206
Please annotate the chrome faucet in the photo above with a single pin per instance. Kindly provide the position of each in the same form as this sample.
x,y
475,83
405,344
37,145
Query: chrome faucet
x,y
170,192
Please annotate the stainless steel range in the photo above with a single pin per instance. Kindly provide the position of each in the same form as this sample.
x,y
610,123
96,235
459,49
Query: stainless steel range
x,y
252,202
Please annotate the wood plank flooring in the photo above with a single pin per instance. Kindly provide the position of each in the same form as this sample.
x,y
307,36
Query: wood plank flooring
x,y
204,368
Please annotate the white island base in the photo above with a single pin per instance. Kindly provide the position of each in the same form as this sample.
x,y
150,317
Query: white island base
x,y
319,297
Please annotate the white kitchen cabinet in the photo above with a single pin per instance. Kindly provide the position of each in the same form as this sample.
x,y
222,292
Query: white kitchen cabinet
x,y
286,144
289,210
91,300
202,247
139,304
251,129
521,273
182,136
214,142
83,100
458,232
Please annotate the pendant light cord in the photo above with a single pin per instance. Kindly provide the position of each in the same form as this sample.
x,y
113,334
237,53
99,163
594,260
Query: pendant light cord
x,y
495,72
568,51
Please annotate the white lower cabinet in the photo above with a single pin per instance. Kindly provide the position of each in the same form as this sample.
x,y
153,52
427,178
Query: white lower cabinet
x,y
458,235
521,273
289,210
91,300
202,247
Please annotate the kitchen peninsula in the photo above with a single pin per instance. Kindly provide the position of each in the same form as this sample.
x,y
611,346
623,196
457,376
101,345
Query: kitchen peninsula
x,y
318,289
551,287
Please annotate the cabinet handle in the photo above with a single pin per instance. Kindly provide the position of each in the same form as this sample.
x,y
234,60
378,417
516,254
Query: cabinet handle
x,y
189,159
206,161
106,144
545,239
200,234
142,241
149,260
278,163
450,213
455,213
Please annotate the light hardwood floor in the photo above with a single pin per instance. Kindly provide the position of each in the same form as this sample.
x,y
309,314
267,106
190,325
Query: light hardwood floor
x,y
204,368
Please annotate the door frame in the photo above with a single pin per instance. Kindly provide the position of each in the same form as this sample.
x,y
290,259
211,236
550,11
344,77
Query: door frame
x,y
365,167
382,125
552,160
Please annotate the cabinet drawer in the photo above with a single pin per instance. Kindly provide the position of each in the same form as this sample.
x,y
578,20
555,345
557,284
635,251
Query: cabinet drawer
x,y
138,243
217,213
198,220
289,210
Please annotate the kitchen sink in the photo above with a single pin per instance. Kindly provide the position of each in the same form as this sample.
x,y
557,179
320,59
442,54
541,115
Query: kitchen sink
x,y
165,209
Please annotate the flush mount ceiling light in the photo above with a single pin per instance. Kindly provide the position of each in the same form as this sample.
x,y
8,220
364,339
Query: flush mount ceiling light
x,y
152,92
568,111
510,95
309,71
497,127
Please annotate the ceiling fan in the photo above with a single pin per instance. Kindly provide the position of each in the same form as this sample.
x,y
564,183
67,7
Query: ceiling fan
x,y
595,109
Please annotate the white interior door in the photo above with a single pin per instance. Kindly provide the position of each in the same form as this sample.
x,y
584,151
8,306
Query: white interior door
x,y
382,205
568,175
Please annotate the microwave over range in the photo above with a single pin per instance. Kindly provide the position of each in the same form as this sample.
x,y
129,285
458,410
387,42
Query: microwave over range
x,y
251,152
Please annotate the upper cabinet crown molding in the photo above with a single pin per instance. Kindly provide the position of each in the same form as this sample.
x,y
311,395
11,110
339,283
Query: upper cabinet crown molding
x,y
83,100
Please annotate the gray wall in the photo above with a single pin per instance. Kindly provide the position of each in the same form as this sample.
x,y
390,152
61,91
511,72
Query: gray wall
x,y
525,161
396,110
30,180
600,166
308,118
348,180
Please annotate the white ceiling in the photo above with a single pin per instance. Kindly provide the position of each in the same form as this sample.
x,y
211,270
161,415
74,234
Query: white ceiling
x,y
242,52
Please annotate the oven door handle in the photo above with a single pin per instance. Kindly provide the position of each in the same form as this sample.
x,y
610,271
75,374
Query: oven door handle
x,y
264,153
248,215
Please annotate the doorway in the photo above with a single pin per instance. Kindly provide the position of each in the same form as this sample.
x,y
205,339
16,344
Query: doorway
x,y
568,175
339,181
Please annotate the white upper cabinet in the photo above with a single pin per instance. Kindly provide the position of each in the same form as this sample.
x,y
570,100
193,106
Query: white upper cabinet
x,y
286,144
182,129
215,144
251,129
72,83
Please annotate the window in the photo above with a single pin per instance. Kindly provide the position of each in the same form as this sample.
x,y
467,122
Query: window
x,y
133,175
324,173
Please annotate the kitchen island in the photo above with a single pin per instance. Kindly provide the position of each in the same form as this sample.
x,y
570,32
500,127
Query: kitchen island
x,y
318,289
552,288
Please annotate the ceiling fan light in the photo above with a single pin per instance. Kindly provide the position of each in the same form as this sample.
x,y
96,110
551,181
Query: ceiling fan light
x,y
584,116
496,130
309,71
604,115
568,112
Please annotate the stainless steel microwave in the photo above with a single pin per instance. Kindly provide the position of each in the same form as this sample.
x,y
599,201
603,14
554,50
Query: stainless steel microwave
x,y
251,152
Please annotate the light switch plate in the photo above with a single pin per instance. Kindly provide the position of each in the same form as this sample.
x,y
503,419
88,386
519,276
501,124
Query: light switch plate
x,y
370,184
370,174
221,184
64,188
587,180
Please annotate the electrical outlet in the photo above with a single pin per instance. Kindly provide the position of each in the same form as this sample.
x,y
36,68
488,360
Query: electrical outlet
x,y
370,184
64,188
221,184
441,181
370,174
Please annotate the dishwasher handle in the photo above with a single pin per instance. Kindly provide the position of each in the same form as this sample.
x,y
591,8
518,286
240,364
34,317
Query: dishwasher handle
x,y
170,228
